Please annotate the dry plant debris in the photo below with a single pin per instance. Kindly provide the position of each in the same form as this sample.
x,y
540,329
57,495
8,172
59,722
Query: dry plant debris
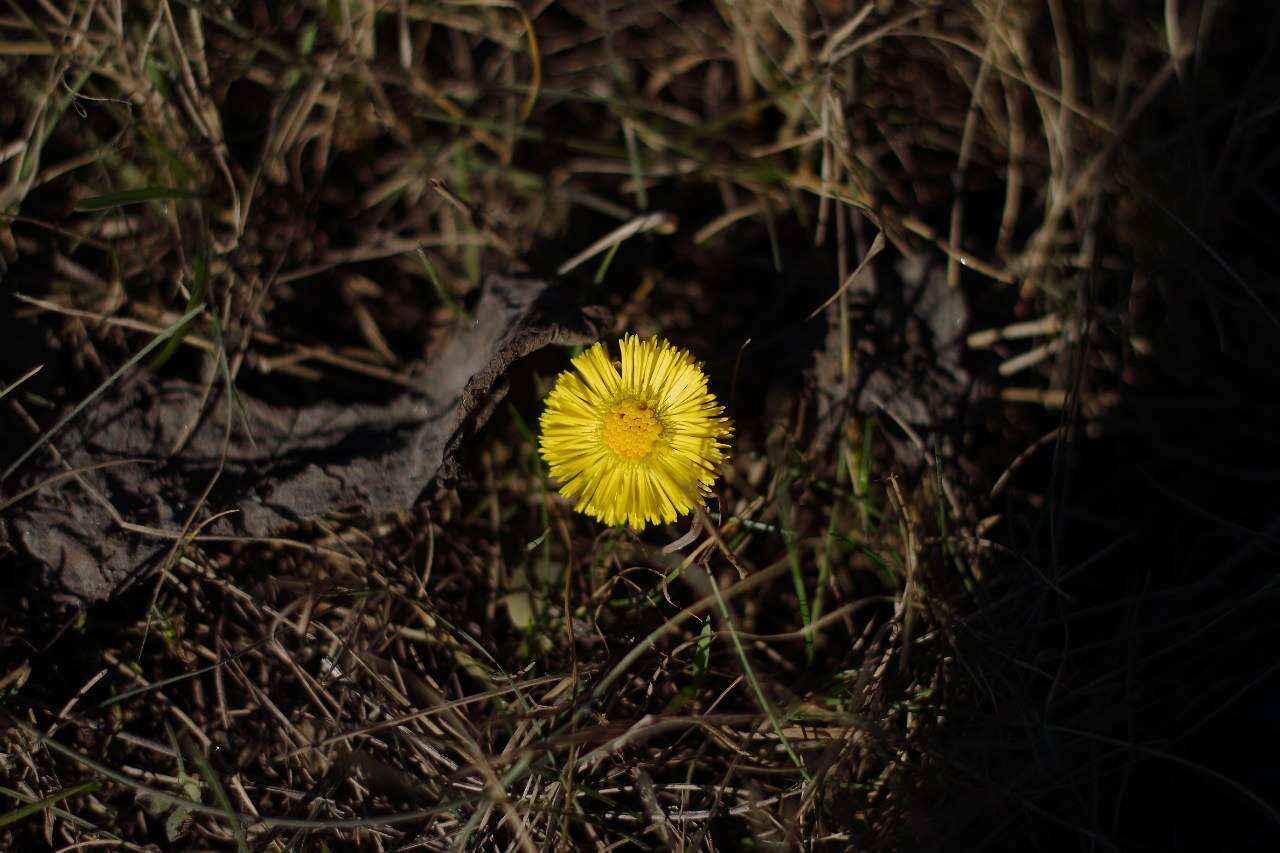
x,y
980,572
153,467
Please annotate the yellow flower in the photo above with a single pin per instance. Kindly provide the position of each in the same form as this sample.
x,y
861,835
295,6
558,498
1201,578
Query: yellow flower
x,y
636,441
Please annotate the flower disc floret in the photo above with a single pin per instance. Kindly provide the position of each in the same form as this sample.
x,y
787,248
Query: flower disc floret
x,y
634,441
631,430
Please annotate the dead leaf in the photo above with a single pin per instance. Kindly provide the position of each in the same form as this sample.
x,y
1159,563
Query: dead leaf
x,y
300,462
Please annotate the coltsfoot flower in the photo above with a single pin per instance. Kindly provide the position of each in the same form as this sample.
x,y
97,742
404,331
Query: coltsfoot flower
x,y
635,441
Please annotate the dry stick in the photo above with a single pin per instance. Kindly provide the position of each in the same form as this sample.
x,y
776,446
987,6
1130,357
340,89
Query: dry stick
x,y
389,247
1013,174
842,306
285,134
966,151
897,23
663,223
825,171
843,32
1047,325
714,532
724,220
692,815
428,562
74,700
1021,458
70,472
877,246
695,530
474,217
648,727
1031,357
263,610
1067,76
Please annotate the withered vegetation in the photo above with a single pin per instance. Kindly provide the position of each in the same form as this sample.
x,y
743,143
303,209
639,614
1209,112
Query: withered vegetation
x,y
987,288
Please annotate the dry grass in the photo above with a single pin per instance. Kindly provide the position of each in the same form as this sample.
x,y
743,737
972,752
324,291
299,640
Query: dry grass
x,y
856,655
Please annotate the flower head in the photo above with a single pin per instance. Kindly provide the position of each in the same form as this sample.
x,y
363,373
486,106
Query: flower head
x,y
635,441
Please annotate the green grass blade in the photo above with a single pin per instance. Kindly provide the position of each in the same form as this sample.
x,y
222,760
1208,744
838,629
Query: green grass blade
x,y
220,794
633,160
766,704
443,292
604,264
53,799
136,196
828,542
199,272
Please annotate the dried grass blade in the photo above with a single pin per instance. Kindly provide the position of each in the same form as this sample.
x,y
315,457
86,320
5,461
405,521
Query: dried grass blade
x,y
877,246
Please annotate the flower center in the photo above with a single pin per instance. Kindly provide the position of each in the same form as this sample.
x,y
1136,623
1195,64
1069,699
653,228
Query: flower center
x,y
631,429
